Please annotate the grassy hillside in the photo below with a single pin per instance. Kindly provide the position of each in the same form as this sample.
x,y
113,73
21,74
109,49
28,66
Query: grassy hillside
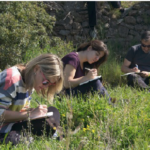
x,y
122,125
93,124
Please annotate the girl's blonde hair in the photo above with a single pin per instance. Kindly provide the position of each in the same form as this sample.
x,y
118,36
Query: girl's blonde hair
x,y
52,66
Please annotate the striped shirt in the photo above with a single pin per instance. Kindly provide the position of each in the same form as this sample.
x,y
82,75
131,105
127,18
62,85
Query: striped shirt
x,y
13,95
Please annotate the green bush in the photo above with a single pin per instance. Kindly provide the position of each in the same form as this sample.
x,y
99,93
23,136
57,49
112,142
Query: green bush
x,y
24,26
56,46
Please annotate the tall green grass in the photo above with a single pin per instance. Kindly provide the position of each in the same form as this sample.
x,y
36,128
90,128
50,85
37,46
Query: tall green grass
x,y
122,125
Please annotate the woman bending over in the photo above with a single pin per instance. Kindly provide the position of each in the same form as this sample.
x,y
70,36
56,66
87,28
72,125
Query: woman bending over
x,y
43,74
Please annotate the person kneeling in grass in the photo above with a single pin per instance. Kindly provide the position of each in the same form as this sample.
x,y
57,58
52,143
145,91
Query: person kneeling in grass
x,y
88,55
43,74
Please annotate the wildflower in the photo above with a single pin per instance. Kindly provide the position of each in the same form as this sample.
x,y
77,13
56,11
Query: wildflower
x,y
88,127
148,119
93,131
84,129
63,115
54,128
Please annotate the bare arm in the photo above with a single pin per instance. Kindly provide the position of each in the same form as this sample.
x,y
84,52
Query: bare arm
x,y
69,73
145,74
125,67
13,116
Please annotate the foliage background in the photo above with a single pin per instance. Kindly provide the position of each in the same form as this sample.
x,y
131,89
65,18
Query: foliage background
x,y
24,26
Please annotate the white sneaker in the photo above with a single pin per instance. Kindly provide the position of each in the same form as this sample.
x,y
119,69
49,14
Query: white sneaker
x,y
55,135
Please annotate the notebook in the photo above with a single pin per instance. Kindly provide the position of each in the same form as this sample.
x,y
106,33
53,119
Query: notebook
x,y
98,77
131,73
44,116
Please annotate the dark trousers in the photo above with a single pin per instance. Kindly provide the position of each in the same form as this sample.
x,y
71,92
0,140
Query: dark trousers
x,y
37,127
92,13
92,87
116,4
131,80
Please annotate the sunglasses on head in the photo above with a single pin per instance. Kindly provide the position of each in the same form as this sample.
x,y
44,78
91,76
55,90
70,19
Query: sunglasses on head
x,y
46,82
143,45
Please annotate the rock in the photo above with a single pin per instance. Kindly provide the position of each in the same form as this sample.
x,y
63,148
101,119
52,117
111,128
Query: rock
x,y
69,38
130,37
64,32
132,32
137,37
68,26
85,24
68,19
133,13
74,32
123,31
111,33
105,13
145,27
99,15
105,19
139,19
136,7
107,25
127,25
148,12
130,20
76,25
85,31
138,27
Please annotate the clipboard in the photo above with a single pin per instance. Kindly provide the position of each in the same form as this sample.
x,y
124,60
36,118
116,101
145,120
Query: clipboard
x,y
98,77
131,73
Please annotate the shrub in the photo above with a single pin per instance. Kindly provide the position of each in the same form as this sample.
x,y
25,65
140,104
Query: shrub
x,y
23,26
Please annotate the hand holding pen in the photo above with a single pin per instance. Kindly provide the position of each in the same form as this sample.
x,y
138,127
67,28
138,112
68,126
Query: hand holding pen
x,y
39,111
41,106
37,102
92,73
135,69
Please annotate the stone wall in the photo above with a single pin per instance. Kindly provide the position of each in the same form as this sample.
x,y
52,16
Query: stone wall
x,y
128,29
72,22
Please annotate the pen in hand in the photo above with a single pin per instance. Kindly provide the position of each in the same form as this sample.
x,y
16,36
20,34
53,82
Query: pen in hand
x,y
37,102
136,66
88,69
